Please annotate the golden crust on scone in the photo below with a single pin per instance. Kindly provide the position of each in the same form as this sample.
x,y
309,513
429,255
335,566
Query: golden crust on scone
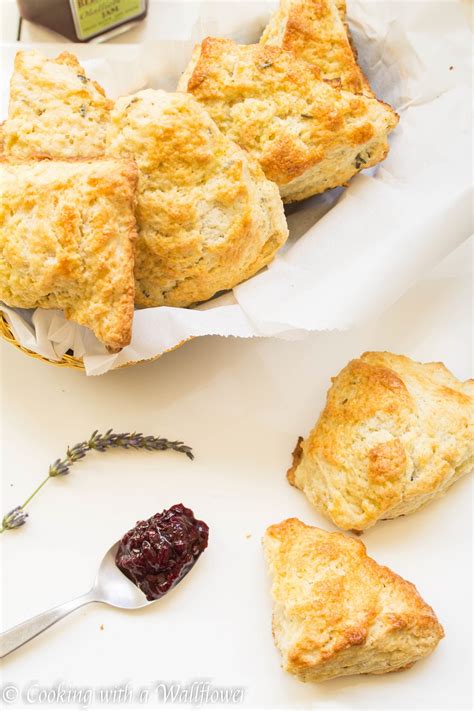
x,y
67,232
307,135
342,9
208,218
315,31
394,434
55,111
337,612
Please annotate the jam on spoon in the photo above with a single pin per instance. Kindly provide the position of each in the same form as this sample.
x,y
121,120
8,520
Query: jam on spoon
x,y
157,553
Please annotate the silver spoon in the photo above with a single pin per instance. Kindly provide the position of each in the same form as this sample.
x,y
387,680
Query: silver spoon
x,y
111,587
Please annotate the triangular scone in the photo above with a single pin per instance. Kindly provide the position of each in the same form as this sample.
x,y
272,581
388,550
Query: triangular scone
x,y
67,232
307,135
208,218
394,434
55,110
315,31
337,612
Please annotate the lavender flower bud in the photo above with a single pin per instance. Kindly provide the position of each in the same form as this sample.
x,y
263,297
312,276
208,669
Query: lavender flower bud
x,y
14,518
59,468
77,452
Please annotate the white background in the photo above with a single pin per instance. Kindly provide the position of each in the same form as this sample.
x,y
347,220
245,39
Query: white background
x,y
241,405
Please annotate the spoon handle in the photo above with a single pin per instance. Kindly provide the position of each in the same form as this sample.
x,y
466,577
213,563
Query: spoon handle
x,y
17,636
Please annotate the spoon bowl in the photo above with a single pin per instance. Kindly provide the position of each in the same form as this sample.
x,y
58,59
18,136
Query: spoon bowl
x,y
112,587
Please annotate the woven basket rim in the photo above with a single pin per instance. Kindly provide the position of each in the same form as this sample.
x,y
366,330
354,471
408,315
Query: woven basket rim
x,y
68,361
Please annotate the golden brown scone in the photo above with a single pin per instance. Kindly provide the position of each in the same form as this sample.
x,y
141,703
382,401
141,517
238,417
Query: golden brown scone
x,y
337,612
67,232
394,434
55,110
208,218
315,31
307,135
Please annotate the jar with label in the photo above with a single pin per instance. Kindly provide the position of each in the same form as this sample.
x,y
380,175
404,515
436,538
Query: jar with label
x,y
84,20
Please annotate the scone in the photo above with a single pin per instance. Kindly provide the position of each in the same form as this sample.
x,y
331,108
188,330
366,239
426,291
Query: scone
x,y
55,110
315,31
394,435
67,232
208,218
307,135
337,612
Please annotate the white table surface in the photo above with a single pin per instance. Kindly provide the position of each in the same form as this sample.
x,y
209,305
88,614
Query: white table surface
x,y
241,405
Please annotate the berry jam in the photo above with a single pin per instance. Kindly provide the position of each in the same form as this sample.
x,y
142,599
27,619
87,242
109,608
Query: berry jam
x,y
158,553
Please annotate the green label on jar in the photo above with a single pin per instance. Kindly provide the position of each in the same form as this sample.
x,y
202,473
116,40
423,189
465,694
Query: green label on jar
x,y
92,17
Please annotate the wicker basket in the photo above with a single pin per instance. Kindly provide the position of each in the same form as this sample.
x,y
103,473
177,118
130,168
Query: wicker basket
x,y
67,361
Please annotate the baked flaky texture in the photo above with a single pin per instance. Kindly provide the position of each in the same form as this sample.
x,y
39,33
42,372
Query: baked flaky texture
x,y
307,135
55,110
394,435
315,31
208,218
67,233
337,612
342,9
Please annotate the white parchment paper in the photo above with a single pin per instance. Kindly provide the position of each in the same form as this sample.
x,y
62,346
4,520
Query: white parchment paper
x,y
351,252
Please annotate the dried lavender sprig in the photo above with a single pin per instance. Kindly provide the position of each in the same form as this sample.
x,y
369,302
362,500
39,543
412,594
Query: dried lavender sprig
x,y
99,442
112,440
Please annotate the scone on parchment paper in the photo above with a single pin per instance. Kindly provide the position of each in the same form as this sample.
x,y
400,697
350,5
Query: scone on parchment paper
x,y
337,612
315,31
208,219
67,233
55,110
394,435
307,135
